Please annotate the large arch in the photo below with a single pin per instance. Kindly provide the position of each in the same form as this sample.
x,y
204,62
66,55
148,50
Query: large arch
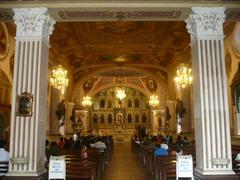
x,y
131,67
93,93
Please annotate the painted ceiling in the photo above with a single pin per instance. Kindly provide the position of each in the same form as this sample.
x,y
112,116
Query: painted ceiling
x,y
95,46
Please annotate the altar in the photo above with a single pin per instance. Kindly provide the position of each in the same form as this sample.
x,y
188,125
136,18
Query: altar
x,y
122,136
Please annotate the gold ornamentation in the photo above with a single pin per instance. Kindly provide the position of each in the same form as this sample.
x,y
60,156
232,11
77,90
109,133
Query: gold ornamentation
x,y
4,41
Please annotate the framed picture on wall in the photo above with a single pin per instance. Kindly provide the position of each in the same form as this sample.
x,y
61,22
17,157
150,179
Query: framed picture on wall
x,y
24,104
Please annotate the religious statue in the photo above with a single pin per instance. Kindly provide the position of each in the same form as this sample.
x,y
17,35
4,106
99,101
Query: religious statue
x,y
180,110
159,123
61,110
119,118
61,116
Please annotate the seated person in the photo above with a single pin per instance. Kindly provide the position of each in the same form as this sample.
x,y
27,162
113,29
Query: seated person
x,y
185,141
161,151
84,154
47,151
179,141
54,149
100,146
4,157
164,144
238,157
61,143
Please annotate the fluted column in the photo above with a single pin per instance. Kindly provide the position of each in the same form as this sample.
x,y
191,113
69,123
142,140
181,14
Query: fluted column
x,y
27,138
211,111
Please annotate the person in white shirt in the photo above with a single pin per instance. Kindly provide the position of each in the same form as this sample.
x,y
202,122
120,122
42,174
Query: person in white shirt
x,y
100,146
163,144
238,157
4,157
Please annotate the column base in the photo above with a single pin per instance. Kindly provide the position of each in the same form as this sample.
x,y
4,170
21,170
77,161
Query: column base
x,y
42,176
199,176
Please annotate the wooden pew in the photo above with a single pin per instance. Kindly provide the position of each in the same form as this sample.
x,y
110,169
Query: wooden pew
x,y
165,166
99,159
83,169
160,162
169,170
162,166
150,159
92,157
236,167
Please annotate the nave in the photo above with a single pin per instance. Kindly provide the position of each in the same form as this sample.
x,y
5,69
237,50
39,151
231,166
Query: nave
x,y
125,165
119,69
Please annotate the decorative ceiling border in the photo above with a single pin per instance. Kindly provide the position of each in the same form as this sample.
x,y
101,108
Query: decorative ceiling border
x,y
119,15
231,15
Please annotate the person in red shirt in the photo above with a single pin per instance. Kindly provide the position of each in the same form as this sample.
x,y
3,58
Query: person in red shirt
x,y
61,143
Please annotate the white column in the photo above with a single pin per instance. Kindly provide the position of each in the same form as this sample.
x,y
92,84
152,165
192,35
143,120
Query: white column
x,y
211,111
27,138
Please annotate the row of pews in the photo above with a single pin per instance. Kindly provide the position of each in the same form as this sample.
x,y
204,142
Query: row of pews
x,y
163,168
82,169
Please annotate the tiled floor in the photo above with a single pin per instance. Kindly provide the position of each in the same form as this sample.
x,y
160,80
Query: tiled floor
x,y
124,165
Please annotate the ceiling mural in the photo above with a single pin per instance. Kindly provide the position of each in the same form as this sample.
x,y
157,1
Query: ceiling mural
x,y
119,73
90,46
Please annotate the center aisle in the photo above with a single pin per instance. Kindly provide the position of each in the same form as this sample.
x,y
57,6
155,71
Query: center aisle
x,y
125,165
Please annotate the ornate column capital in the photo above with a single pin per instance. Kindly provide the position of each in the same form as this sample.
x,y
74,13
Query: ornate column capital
x,y
33,23
206,22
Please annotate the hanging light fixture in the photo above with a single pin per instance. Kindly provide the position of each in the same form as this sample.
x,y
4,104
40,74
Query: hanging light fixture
x,y
87,101
59,78
154,101
120,93
184,75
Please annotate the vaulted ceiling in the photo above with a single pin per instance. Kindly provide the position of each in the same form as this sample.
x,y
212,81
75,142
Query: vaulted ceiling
x,y
101,40
89,46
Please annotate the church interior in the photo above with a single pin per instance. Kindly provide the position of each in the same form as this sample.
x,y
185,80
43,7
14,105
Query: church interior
x,y
127,75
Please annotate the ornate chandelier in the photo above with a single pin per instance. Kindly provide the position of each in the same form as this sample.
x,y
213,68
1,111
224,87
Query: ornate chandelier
x,y
120,93
59,78
87,101
184,76
154,100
